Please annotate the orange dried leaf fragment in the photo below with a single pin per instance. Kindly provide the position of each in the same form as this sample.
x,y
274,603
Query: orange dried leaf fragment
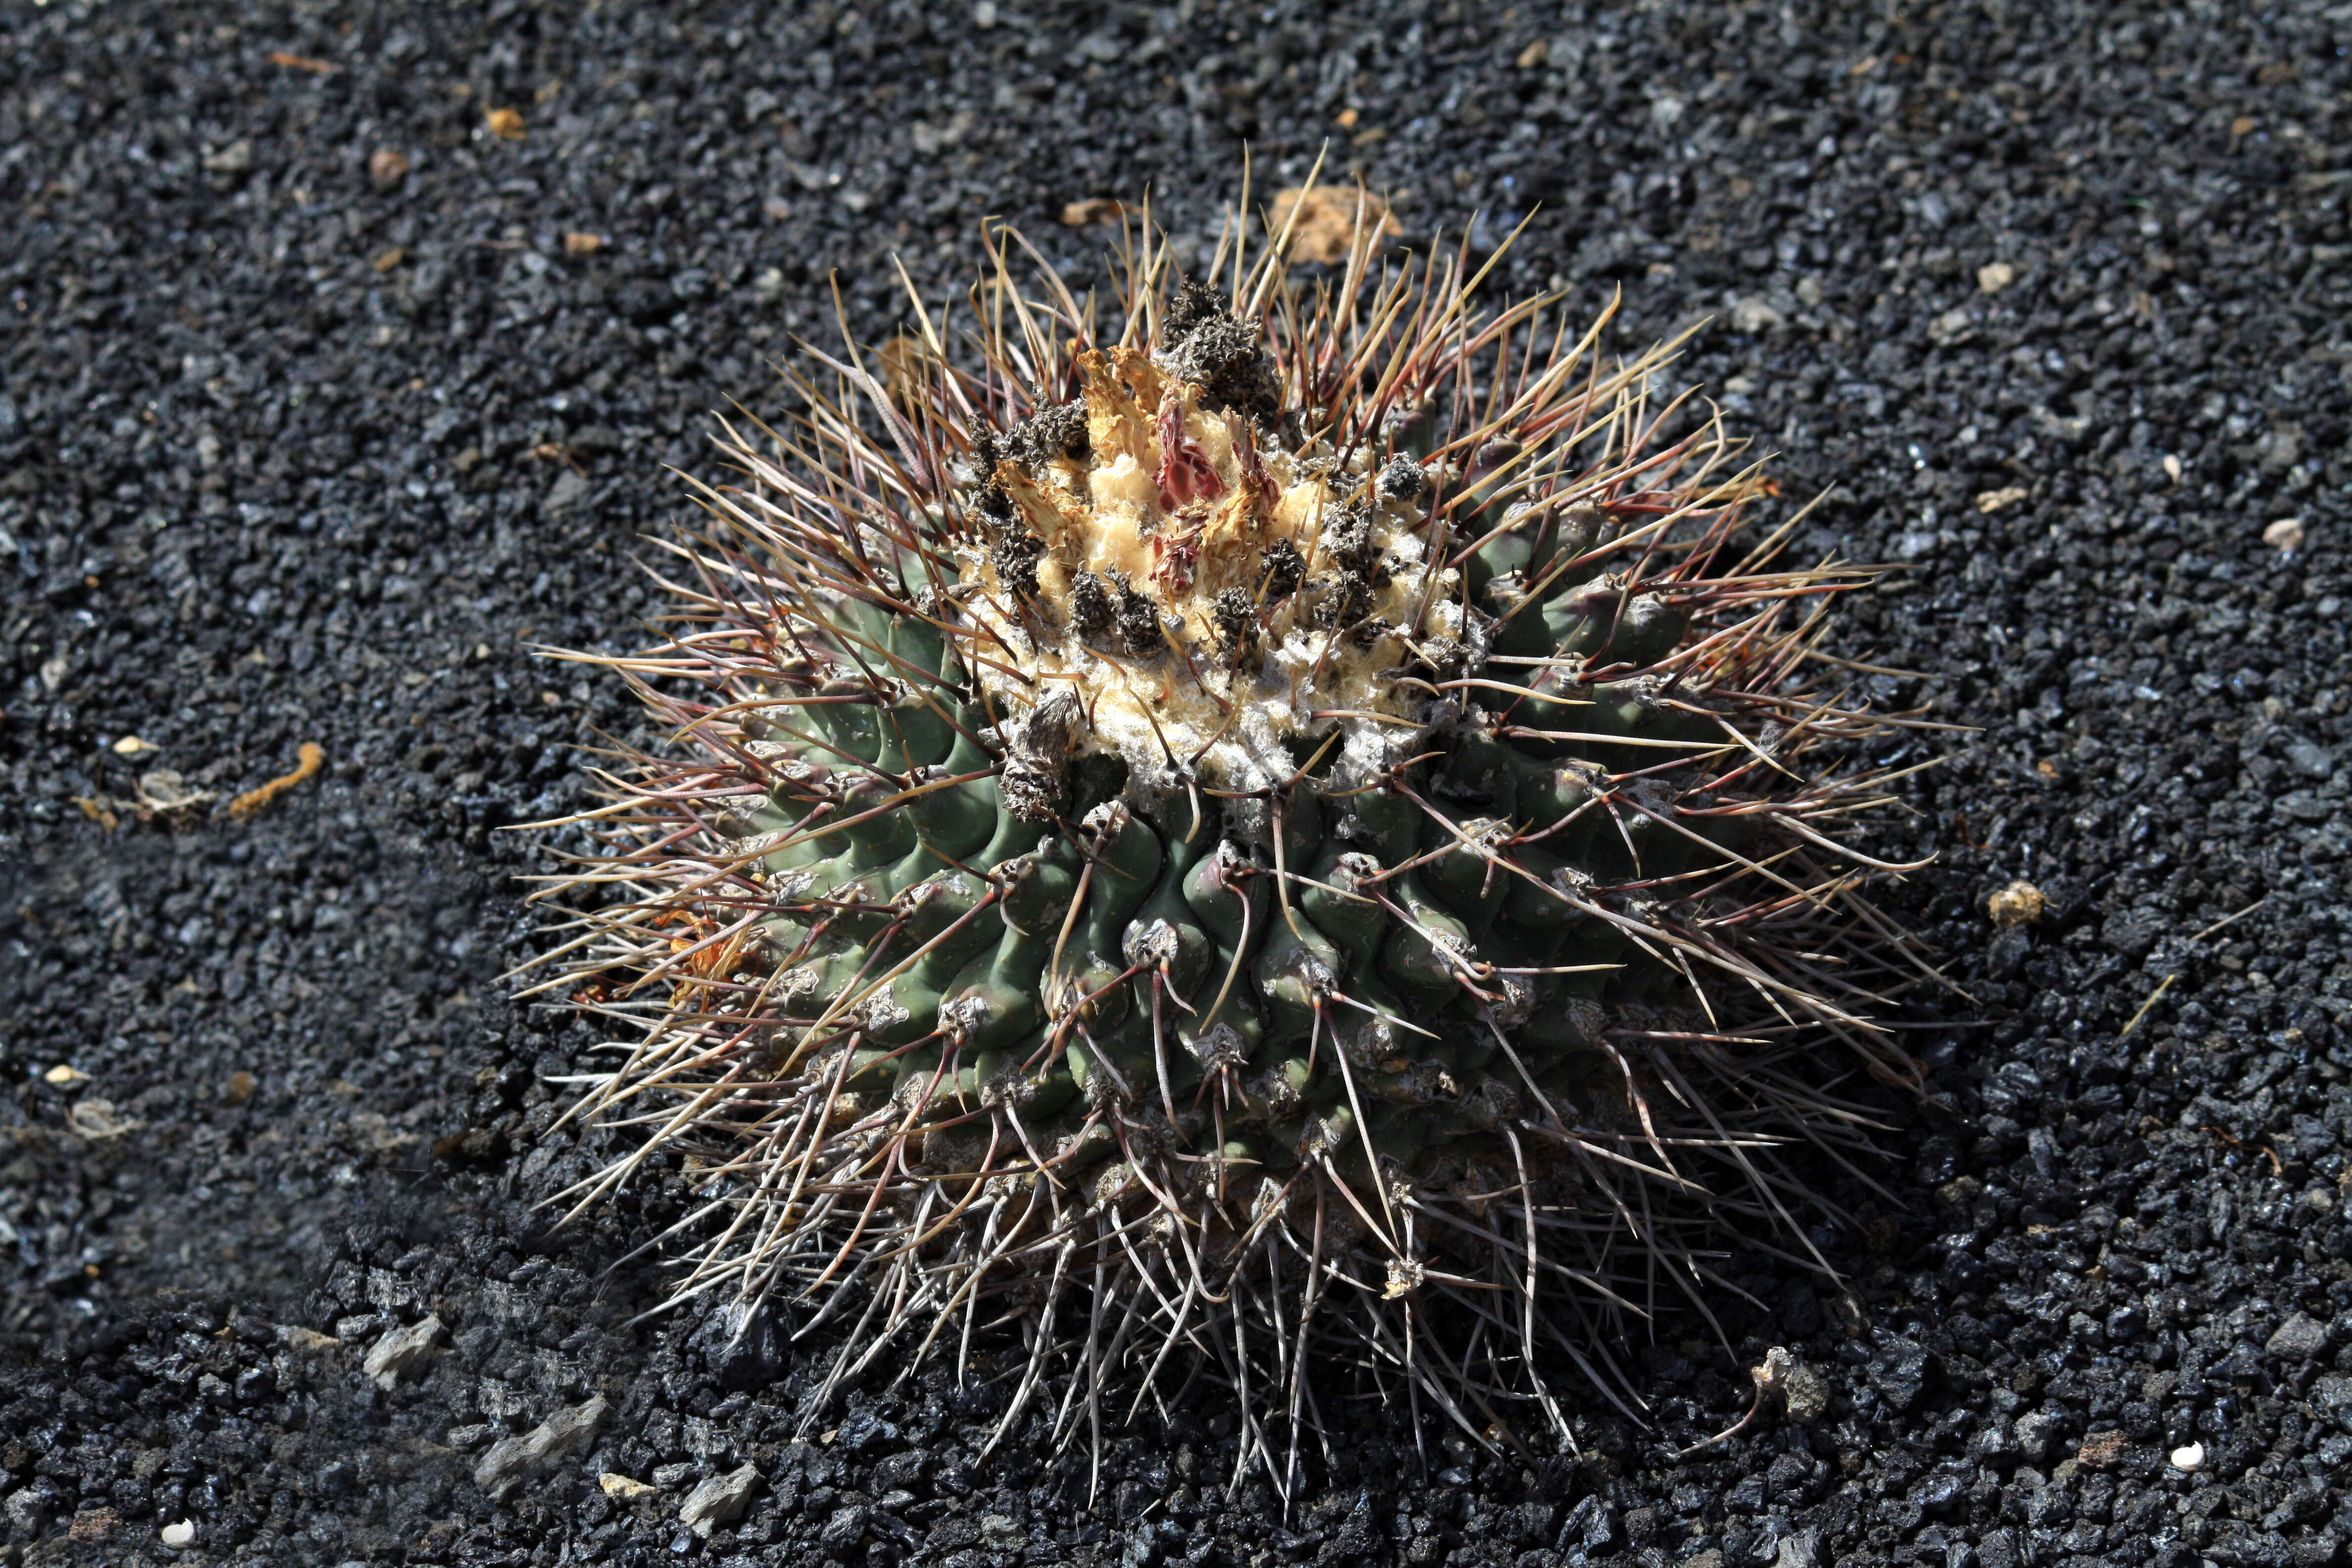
x,y
309,760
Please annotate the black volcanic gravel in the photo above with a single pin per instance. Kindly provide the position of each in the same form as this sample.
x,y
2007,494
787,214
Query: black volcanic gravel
x,y
290,451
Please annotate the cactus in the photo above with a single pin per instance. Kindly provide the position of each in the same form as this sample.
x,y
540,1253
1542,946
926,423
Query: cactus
x,y
1296,830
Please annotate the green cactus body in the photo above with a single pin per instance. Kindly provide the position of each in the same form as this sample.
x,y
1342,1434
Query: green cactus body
x,y
1193,805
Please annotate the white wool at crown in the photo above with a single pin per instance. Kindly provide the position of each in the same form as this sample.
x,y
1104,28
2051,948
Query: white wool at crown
x,y
1236,716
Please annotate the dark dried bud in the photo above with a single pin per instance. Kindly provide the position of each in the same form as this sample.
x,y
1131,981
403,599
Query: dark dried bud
x,y
1092,608
1237,616
1138,620
1285,570
985,455
1056,431
993,507
1194,303
1015,560
1346,540
1205,345
1038,752
1338,600
1400,481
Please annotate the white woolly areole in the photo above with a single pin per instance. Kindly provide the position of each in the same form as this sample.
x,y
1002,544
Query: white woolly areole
x,y
1179,504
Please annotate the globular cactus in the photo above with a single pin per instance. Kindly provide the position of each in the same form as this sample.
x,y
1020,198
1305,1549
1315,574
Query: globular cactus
x,y
1293,829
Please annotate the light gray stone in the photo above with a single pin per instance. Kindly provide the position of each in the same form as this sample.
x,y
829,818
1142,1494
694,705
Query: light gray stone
x,y
512,1460
569,490
1802,1550
719,1500
405,1353
2034,1430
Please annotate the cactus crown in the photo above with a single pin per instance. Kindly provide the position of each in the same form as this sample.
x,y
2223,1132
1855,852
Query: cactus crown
x,y
1301,812
1170,523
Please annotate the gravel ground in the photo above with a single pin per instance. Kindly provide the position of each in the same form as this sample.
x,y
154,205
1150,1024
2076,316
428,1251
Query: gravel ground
x,y
315,414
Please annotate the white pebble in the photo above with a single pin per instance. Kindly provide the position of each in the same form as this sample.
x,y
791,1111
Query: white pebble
x,y
181,1536
2189,1456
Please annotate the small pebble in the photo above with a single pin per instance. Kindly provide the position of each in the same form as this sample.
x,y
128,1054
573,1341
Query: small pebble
x,y
405,1353
179,1537
2102,1450
2188,1456
2018,904
2286,534
721,1500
